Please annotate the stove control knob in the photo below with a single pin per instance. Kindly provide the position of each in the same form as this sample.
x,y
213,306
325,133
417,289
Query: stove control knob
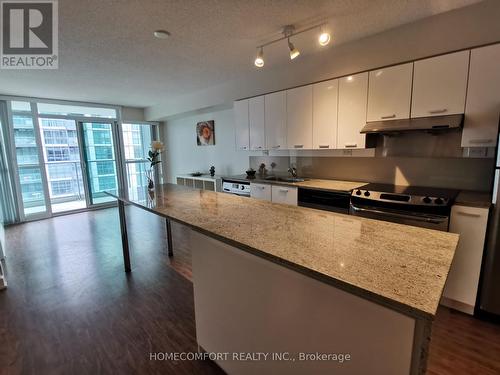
x,y
242,187
427,200
438,201
358,192
367,193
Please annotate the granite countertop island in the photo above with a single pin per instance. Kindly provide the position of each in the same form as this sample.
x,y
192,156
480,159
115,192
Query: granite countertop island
x,y
299,280
397,265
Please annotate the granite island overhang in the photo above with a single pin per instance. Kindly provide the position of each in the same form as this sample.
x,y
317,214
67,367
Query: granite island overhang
x,y
388,274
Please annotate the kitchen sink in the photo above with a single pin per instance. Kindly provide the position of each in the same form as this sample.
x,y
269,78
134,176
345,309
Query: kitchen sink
x,y
285,179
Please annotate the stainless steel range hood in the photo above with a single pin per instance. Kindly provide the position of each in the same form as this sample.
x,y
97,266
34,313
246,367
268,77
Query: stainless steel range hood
x,y
433,124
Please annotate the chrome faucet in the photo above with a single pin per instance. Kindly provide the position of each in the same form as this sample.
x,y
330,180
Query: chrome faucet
x,y
293,171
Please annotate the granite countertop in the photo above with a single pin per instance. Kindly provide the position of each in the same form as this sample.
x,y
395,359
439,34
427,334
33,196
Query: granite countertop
x,y
473,199
309,183
399,266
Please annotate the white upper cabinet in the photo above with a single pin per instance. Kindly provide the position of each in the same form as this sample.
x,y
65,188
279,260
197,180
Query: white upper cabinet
x,y
325,103
256,123
482,109
299,117
389,93
439,85
275,114
241,124
353,95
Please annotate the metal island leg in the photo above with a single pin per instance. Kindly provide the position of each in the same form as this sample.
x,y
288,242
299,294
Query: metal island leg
x,y
123,228
169,237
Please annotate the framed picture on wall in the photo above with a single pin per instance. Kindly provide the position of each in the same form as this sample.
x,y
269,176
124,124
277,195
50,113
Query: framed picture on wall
x,y
205,133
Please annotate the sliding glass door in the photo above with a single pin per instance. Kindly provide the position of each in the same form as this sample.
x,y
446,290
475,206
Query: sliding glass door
x,y
32,183
63,164
65,156
100,161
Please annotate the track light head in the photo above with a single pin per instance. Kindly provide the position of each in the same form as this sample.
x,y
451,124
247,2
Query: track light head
x,y
259,60
294,52
324,38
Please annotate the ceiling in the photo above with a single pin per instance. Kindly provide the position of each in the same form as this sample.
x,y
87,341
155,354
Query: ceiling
x,y
107,53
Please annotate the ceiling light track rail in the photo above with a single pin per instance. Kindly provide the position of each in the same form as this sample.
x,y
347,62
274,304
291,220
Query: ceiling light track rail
x,y
289,32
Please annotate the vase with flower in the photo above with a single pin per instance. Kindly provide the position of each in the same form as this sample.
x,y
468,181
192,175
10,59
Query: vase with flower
x,y
153,158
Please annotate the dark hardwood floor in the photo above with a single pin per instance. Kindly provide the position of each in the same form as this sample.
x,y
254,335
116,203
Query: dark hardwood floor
x,y
70,308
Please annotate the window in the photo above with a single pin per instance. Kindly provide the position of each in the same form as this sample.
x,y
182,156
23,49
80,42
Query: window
x,y
24,137
77,110
137,140
101,137
55,137
107,183
27,155
64,187
105,168
57,153
30,179
20,106
103,152
61,171
25,140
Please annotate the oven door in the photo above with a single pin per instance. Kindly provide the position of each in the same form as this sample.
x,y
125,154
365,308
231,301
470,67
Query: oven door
x,y
436,222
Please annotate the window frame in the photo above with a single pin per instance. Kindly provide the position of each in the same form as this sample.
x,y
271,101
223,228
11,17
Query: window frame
x,y
33,113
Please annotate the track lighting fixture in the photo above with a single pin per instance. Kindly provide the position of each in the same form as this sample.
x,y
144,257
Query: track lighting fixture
x,y
259,60
289,31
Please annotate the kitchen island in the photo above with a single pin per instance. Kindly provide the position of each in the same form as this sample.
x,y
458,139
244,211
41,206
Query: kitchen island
x,y
290,282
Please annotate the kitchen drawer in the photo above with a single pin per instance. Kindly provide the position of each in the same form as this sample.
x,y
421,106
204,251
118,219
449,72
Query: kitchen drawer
x,y
284,195
260,191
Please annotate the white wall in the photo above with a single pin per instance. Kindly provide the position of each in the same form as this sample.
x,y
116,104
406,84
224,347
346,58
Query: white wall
x,y
182,154
133,114
462,28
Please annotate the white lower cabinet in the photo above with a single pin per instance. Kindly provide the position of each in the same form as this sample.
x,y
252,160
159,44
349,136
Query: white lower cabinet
x,y
284,195
461,287
260,191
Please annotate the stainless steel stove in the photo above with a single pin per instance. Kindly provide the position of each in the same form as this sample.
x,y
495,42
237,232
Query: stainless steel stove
x,y
411,205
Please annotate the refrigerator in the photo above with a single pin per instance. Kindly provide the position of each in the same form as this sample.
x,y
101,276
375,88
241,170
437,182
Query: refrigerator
x,y
489,296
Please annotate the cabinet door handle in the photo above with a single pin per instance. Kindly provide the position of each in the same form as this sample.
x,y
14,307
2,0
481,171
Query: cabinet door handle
x,y
324,146
243,147
351,145
434,111
258,147
277,146
298,146
475,141
261,187
462,213
284,190
388,116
